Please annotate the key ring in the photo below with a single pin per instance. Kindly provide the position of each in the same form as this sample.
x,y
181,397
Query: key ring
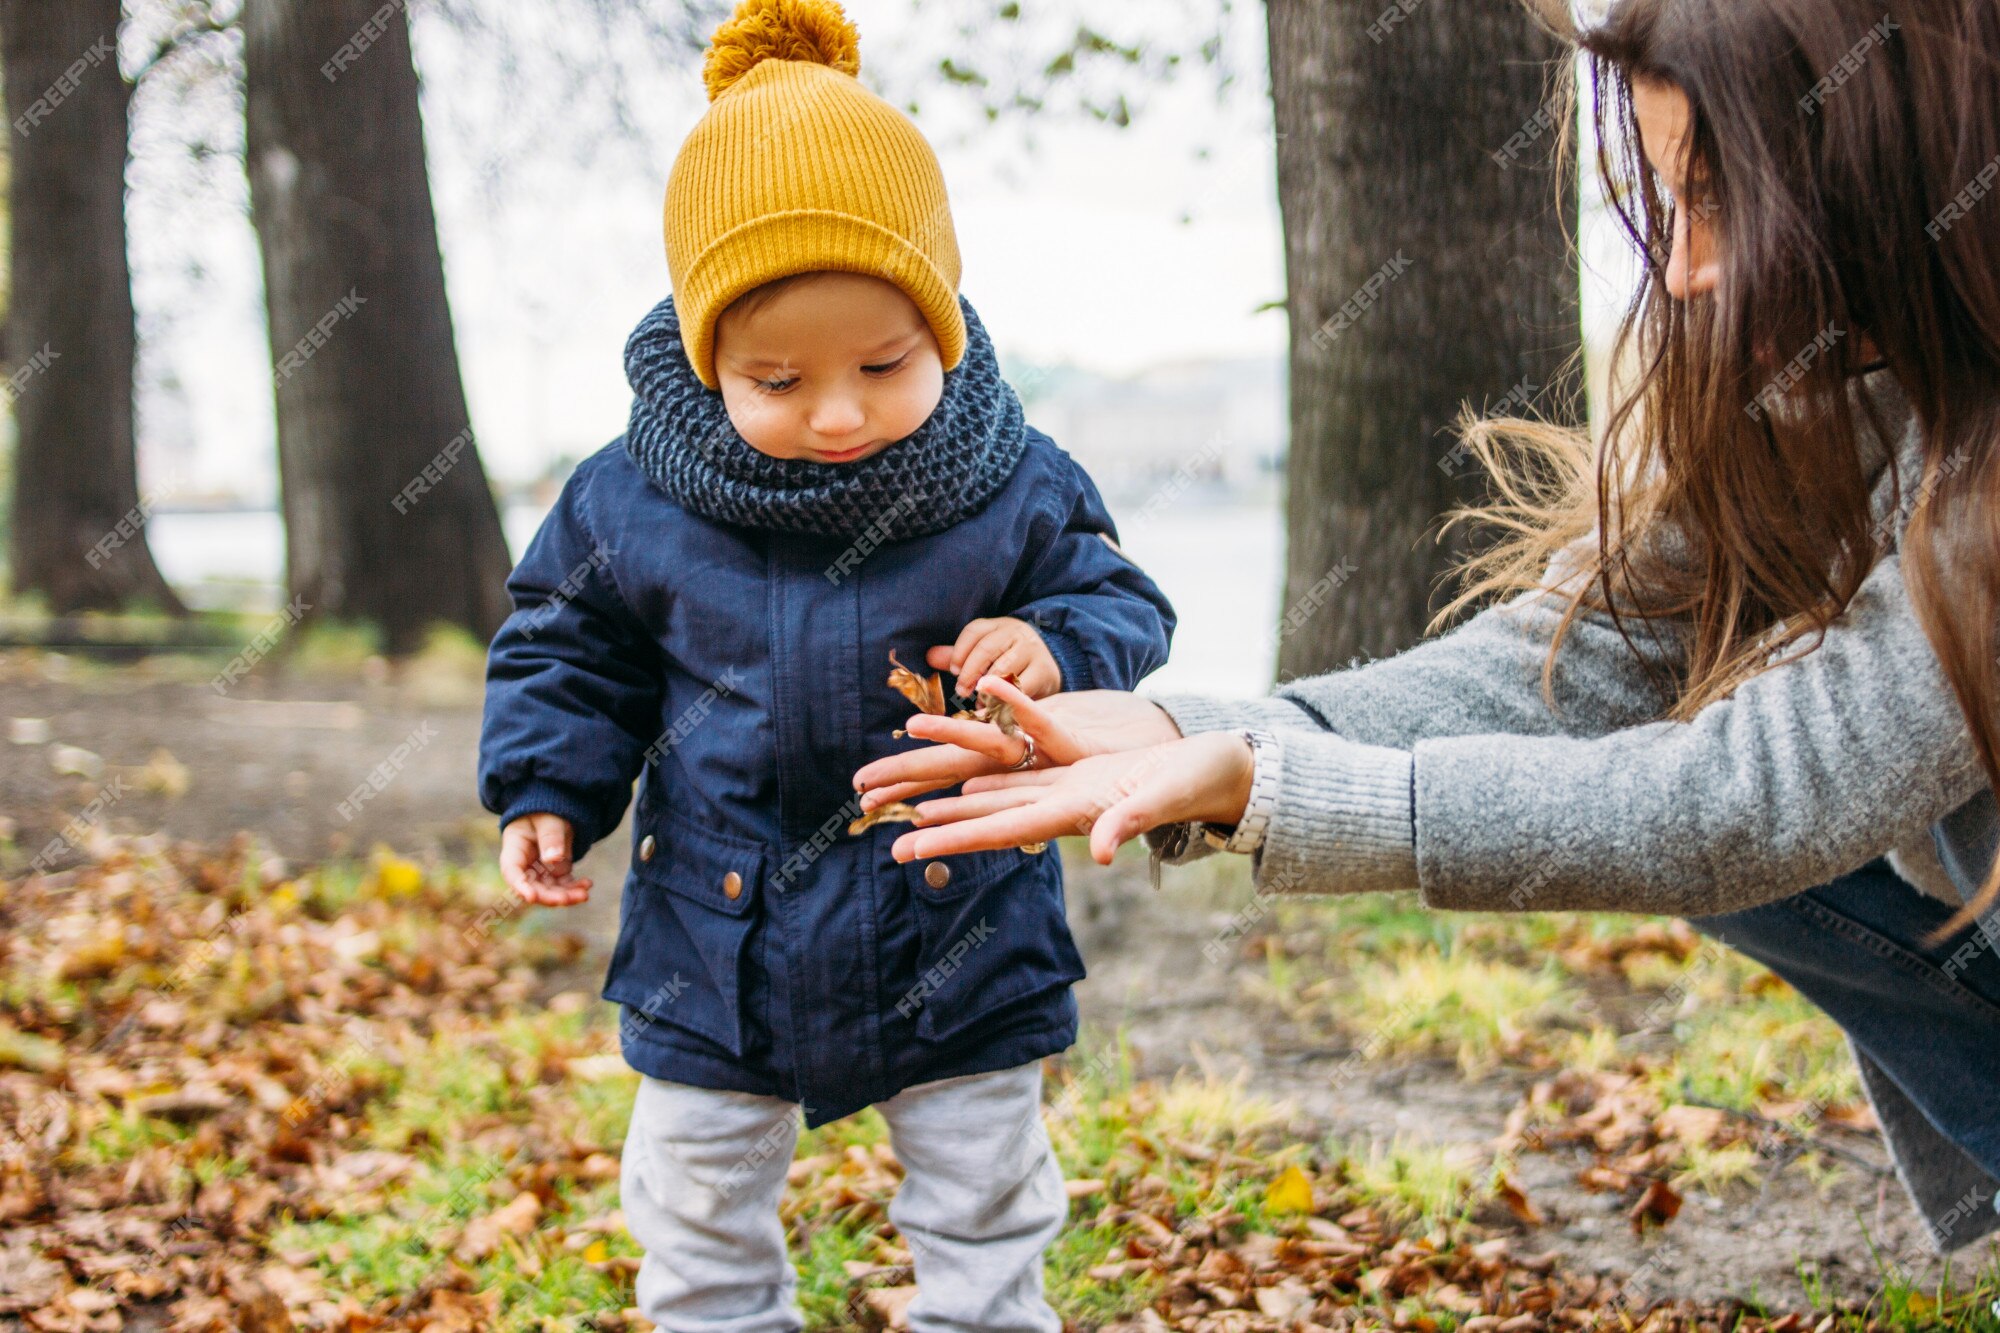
x,y
1028,759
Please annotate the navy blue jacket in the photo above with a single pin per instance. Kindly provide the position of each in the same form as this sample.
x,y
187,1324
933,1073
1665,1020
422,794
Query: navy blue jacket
x,y
741,675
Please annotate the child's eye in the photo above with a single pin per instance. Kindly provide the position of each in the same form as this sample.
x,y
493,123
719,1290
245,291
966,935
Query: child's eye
x,y
887,368
777,386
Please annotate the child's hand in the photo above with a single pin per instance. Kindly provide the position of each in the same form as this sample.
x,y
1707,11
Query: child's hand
x,y
534,860
1001,646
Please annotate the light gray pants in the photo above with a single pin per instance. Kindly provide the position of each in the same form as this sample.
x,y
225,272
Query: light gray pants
x,y
981,1199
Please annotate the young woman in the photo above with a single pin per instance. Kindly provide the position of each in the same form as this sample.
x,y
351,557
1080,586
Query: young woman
x,y
1741,667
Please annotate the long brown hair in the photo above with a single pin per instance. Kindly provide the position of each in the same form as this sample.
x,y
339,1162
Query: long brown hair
x,y
1841,150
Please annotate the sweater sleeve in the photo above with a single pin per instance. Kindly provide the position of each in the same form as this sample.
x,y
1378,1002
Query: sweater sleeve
x,y
572,684
1106,623
1808,770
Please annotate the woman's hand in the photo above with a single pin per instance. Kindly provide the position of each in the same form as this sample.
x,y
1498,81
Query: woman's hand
x,y
1066,728
1111,796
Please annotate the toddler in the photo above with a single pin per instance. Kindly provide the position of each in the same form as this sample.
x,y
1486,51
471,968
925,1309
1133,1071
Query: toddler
x,y
823,467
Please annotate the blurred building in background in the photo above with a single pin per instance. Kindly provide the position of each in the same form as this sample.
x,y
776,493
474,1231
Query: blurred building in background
x,y
1217,424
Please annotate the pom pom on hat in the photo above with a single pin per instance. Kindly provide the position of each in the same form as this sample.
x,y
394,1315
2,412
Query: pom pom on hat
x,y
815,31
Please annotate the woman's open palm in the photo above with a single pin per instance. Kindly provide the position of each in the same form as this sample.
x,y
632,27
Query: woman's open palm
x,y
1066,727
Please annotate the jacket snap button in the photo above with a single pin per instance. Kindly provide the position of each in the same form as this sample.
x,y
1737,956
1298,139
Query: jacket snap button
x,y
937,874
646,845
732,886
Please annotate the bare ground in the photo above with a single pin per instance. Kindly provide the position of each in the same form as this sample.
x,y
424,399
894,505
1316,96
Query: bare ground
x,y
285,756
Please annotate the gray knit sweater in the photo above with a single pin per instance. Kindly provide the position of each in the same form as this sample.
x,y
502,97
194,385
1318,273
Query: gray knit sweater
x,y
1444,769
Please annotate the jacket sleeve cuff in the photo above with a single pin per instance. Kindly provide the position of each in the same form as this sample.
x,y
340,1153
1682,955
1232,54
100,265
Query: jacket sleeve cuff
x,y
1071,660
1344,821
1200,712
541,797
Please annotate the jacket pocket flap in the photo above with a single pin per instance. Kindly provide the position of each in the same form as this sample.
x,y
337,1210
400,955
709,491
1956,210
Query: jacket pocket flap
x,y
718,870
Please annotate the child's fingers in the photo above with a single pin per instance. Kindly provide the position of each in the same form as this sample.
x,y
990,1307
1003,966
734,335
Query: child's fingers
x,y
1013,660
552,834
517,855
974,631
951,656
545,890
979,659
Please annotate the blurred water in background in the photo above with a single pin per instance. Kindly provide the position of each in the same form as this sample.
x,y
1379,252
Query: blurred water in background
x,y
1218,560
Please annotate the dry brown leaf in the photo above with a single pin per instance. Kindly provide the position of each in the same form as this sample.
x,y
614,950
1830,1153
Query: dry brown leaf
x,y
1603,1180
185,1105
483,1235
925,692
1518,1203
890,1305
1286,1300
1659,1205
889,812
258,1309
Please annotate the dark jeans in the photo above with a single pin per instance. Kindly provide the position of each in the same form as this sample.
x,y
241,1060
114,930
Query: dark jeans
x,y
1923,1019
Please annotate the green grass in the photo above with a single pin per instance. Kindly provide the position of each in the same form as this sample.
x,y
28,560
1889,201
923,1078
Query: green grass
x,y
1082,1298
1415,1182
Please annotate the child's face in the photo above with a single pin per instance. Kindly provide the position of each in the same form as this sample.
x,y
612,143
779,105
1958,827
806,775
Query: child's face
x,y
833,370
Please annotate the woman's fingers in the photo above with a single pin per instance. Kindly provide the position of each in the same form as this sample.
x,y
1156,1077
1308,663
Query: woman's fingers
x,y
982,737
1027,777
1125,820
939,765
1039,821
951,809
898,791
1056,743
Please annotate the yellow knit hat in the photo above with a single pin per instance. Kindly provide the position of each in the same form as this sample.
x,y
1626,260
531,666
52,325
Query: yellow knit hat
x,y
797,168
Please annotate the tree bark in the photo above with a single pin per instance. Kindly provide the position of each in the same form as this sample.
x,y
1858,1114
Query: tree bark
x,y
388,517
79,536
1427,267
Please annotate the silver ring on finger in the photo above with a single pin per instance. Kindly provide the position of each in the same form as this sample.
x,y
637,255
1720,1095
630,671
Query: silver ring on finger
x,y
1027,760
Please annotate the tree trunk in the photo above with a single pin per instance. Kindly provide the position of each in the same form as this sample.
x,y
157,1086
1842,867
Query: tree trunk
x,y
1426,267
79,534
388,518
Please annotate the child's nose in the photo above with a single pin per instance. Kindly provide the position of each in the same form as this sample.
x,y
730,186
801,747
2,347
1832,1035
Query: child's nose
x,y
836,416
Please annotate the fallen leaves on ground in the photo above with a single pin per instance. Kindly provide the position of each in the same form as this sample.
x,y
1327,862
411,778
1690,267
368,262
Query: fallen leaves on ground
x,y
188,1052
205,1112
1637,1140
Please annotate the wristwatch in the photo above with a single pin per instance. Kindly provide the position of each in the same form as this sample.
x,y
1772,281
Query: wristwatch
x,y
1247,833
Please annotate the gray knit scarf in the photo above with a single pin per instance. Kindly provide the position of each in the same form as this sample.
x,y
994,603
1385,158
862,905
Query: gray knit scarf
x,y
681,436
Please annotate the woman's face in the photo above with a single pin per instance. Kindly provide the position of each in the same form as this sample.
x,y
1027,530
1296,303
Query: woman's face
x,y
1664,116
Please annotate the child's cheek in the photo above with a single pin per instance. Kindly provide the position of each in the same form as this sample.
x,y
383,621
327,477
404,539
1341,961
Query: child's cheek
x,y
760,422
921,393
